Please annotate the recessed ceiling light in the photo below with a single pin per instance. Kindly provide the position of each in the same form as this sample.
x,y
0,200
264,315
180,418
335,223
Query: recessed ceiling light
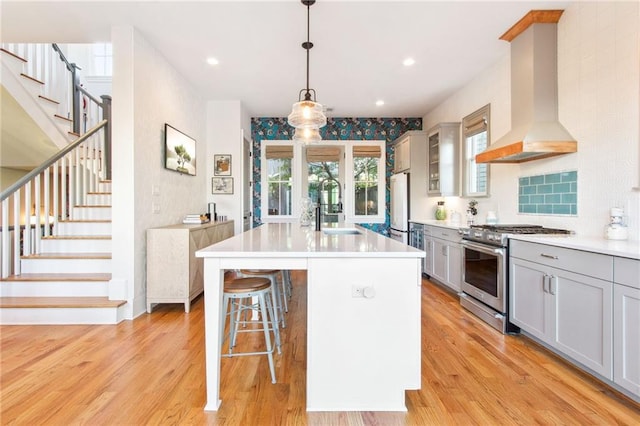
x,y
379,102
212,61
408,62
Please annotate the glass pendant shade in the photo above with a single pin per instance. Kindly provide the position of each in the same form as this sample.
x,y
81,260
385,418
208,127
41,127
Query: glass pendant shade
x,y
307,115
307,136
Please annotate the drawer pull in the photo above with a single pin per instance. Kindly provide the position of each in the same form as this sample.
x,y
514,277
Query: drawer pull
x,y
549,256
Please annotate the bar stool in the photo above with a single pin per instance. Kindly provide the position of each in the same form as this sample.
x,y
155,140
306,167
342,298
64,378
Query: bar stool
x,y
239,289
281,305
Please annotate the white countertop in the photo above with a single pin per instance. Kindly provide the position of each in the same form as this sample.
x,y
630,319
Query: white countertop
x,y
440,223
292,240
630,249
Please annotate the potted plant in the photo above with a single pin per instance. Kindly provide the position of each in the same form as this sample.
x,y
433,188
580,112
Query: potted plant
x,y
472,211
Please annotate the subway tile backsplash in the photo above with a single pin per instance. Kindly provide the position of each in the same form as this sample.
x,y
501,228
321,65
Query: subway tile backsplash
x,y
555,193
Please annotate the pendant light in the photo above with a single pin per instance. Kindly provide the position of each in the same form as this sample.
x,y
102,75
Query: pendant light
x,y
307,114
307,136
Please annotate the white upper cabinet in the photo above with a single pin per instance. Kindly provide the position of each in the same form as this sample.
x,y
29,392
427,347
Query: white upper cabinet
x,y
442,159
409,150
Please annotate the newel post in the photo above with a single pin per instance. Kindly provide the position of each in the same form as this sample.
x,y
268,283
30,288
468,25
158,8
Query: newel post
x,y
106,115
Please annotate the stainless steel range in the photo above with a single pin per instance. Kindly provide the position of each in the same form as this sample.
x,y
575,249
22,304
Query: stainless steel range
x,y
485,270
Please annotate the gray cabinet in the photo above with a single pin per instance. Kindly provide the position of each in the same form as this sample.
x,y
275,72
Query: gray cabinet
x,y
626,324
446,255
409,152
174,273
564,298
442,159
428,248
402,155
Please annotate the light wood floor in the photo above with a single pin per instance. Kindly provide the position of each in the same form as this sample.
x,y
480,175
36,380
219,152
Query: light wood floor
x,y
151,371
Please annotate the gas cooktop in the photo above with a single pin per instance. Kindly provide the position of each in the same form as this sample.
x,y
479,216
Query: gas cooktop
x,y
521,229
497,235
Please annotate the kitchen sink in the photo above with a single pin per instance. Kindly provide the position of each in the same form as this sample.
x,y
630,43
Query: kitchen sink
x,y
341,231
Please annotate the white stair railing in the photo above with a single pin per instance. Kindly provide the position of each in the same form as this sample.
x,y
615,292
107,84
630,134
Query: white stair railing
x,y
44,64
75,170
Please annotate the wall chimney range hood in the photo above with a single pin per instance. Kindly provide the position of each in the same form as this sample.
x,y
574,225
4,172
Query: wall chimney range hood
x,y
535,130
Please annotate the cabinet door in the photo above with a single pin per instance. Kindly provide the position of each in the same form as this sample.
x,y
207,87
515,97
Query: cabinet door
x,y
440,260
527,298
428,260
583,319
455,267
433,163
626,337
402,155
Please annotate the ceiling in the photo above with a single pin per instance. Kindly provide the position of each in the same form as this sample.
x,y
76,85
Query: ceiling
x,y
357,56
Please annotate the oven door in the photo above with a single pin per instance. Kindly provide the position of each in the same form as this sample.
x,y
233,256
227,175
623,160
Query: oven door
x,y
484,274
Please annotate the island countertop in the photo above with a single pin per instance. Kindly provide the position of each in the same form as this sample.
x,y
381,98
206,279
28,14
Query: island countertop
x,y
293,240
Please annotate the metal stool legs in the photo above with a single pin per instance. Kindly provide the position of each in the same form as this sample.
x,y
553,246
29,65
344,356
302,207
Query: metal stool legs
x,y
234,293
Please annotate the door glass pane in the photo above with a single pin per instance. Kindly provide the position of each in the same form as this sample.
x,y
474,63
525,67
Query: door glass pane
x,y
279,186
324,187
365,178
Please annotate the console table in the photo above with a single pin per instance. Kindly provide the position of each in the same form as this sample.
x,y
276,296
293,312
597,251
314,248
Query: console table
x,y
174,274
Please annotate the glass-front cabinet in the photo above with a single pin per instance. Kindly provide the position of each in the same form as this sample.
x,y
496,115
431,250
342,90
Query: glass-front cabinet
x,y
442,159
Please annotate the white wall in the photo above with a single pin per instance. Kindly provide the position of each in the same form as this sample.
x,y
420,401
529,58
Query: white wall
x,y
227,121
149,92
599,98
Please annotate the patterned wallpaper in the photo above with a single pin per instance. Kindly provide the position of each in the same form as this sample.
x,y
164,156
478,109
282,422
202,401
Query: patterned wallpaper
x,y
336,129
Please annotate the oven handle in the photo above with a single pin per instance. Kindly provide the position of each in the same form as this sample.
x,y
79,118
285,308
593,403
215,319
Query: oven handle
x,y
483,249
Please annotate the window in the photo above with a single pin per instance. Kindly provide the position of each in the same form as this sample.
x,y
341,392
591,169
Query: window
x,y
279,180
324,179
347,176
475,128
366,162
102,59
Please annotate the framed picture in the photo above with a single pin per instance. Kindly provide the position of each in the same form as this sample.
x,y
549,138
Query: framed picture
x,y
179,151
222,165
222,185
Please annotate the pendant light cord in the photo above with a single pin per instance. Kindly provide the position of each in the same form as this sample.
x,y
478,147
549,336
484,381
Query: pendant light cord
x,y
308,45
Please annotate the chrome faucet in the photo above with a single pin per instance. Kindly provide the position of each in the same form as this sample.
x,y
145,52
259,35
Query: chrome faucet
x,y
319,203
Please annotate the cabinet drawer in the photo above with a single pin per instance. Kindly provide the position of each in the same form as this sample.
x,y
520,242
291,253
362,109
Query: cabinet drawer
x,y
626,271
582,262
446,234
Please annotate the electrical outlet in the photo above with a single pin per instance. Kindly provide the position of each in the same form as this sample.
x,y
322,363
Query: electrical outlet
x,y
155,208
357,291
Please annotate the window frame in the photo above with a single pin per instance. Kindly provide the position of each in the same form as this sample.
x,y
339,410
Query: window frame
x,y
474,117
300,181
264,184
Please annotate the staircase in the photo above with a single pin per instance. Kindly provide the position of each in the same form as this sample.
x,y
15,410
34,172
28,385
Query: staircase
x,y
68,281
56,268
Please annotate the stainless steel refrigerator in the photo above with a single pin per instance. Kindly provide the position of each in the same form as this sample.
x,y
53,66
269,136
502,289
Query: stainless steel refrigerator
x,y
399,209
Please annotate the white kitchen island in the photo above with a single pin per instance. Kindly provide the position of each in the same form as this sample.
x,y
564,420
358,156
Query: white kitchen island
x,y
362,352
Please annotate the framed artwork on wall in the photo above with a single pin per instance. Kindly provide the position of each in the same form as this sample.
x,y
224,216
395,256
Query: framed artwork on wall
x,y
222,165
222,185
179,151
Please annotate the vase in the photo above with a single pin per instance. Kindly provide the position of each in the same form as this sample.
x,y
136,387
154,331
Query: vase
x,y
441,212
306,211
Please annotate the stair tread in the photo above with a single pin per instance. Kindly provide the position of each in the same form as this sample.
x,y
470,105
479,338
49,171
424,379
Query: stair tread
x,y
59,277
13,54
85,221
48,100
59,302
98,193
77,237
62,118
31,78
68,256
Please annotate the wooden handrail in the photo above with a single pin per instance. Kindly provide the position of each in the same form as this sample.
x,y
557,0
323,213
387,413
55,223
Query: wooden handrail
x,y
55,157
